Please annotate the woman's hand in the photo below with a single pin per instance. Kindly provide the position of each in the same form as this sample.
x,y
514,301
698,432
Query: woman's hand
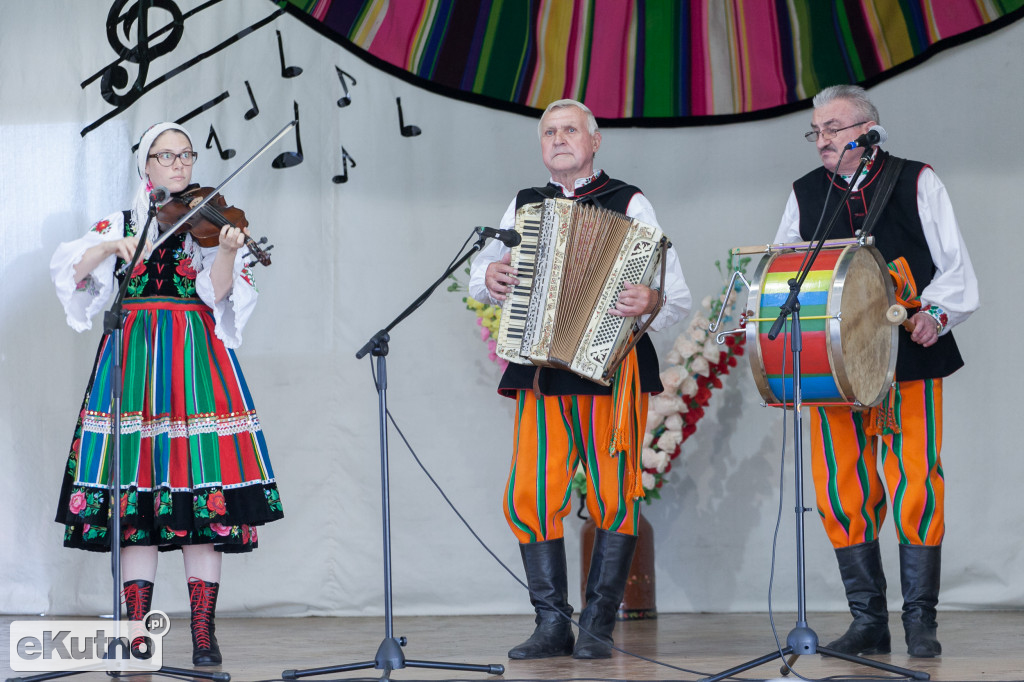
x,y
94,255
232,238
222,271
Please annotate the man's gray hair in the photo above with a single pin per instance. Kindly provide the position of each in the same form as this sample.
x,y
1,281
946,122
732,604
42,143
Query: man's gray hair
x,y
855,94
564,103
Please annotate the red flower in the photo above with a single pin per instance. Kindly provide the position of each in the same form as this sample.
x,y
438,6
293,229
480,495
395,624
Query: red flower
x,y
124,503
693,415
140,269
101,226
215,503
185,268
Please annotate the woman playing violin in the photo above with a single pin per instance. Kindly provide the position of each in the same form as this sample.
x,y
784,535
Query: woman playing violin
x,y
195,472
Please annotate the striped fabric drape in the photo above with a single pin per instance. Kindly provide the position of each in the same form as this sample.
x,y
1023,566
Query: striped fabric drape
x,y
649,62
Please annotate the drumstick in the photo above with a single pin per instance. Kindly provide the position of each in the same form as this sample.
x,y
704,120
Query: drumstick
x,y
897,314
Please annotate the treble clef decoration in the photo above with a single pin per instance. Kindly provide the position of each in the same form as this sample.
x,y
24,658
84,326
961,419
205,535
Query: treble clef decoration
x,y
115,77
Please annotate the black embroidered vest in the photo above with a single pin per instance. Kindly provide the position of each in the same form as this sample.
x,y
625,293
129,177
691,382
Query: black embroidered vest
x,y
898,232
168,272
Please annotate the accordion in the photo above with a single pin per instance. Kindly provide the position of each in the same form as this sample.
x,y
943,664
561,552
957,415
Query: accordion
x,y
572,262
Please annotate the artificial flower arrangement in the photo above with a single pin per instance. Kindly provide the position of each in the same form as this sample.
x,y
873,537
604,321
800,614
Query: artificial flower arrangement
x,y
695,365
694,368
488,317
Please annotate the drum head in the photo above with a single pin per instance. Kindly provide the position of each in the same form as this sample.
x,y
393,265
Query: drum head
x,y
862,342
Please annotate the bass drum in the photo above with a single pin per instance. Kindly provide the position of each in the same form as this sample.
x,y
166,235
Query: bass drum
x,y
849,346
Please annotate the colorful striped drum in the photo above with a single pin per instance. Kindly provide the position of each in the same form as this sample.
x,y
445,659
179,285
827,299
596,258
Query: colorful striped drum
x,y
849,346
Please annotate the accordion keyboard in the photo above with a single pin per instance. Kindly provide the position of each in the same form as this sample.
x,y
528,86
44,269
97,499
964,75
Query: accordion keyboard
x,y
518,301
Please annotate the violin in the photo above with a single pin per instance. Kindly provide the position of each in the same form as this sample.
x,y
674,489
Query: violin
x,y
205,225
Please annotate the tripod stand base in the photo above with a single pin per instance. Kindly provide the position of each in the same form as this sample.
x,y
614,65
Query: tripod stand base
x,y
803,641
390,657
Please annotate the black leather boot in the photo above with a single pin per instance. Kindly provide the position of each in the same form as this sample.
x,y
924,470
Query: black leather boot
x,y
861,569
609,570
919,577
203,600
547,577
138,599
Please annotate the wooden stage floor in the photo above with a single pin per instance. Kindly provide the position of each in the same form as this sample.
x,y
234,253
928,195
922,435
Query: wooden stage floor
x,y
977,646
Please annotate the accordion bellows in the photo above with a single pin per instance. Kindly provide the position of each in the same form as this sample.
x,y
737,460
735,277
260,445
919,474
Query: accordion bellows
x,y
573,261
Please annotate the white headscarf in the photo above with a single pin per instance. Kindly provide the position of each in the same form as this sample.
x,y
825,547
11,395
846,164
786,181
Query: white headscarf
x,y
140,204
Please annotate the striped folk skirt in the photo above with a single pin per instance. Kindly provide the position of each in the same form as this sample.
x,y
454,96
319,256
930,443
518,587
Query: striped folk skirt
x,y
194,466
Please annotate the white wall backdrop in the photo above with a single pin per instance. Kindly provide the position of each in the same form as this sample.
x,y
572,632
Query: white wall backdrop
x,y
349,257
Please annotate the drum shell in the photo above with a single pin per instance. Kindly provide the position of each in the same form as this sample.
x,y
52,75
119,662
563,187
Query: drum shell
x,y
849,347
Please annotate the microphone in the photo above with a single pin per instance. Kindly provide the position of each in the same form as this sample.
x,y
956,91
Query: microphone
x,y
159,194
875,135
506,237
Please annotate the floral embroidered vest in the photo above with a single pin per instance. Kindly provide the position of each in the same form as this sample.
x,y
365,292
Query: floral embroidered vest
x,y
167,273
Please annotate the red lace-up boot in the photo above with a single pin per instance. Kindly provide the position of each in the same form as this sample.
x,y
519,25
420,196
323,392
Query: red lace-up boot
x,y
138,598
203,600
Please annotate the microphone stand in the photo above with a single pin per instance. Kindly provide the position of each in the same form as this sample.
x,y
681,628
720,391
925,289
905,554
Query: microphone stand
x,y
802,640
113,326
389,654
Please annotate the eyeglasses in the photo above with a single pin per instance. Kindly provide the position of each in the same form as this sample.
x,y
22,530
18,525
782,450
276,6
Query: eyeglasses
x,y
828,133
167,158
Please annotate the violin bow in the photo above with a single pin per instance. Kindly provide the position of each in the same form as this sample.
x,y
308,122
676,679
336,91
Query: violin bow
x,y
163,237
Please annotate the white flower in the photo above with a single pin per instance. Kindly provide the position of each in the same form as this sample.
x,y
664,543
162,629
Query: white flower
x,y
688,388
685,347
668,441
672,378
712,351
674,422
699,365
648,481
653,418
673,357
649,458
664,404
706,302
648,437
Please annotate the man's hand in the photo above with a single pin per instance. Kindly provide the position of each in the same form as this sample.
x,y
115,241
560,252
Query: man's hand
x,y
926,329
634,300
500,278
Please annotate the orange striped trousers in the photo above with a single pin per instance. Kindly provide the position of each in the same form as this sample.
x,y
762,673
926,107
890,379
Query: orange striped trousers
x,y
851,498
553,435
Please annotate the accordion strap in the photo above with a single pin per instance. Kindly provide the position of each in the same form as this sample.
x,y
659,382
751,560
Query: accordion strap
x,y
640,331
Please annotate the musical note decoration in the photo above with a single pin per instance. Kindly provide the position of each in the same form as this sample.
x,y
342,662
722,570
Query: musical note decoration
x,y
289,159
286,71
345,99
115,76
406,130
255,110
211,139
345,160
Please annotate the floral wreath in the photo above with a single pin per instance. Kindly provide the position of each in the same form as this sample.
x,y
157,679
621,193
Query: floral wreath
x,y
694,368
